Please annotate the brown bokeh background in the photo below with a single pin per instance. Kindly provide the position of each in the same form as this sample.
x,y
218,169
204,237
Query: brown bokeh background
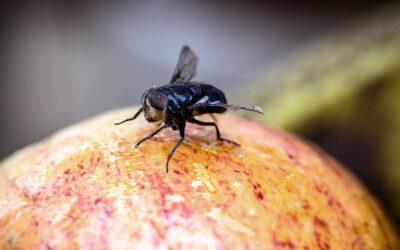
x,y
64,61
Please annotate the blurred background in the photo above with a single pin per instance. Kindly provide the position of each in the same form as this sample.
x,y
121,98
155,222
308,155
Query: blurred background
x,y
326,71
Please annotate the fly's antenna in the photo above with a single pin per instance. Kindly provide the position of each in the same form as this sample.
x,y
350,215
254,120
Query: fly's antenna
x,y
132,118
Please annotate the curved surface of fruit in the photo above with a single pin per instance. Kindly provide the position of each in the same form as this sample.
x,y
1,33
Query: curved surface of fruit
x,y
87,187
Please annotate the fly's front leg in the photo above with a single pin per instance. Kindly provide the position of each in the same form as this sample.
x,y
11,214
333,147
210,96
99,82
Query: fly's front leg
x,y
182,134
219,137
130,119
151,135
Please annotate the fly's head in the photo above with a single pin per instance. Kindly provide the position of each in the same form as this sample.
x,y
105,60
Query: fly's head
x,y
154,103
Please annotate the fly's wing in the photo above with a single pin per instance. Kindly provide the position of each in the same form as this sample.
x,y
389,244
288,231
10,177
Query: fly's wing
x,y
186,68
237,107
204,102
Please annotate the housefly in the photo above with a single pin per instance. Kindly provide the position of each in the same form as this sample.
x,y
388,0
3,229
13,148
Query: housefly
x,y
181,100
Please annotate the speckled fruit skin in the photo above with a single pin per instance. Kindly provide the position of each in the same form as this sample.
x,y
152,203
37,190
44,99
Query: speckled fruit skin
x,y
87,187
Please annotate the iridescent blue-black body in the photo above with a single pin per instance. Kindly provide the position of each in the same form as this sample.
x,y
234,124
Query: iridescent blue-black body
x,y
181,96
179,101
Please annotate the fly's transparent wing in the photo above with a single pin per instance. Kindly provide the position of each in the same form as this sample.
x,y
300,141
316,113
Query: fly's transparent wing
x,y
186,68
237,107
203,103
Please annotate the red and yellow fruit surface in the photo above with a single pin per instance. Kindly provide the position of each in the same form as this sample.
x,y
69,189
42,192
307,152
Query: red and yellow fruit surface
x,y
88,187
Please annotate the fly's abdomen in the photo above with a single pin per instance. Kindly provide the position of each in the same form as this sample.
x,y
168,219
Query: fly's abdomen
x,y
214,95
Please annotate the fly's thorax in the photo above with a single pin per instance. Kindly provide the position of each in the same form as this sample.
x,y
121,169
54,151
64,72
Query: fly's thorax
x,y
154,103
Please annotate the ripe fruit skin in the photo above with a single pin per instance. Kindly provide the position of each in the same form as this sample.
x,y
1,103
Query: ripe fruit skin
x,y
87,187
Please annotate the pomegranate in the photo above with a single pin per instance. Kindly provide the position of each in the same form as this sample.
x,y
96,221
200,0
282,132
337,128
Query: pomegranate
x,y
88,187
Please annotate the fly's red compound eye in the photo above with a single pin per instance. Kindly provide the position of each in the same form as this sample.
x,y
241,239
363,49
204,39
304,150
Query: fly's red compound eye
x,y
158,100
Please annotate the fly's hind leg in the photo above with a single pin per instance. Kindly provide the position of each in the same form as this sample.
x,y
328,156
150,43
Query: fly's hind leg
x,y
193,120
213,117
182,134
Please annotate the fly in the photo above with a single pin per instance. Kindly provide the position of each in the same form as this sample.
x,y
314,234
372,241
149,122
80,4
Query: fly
x,y
181,100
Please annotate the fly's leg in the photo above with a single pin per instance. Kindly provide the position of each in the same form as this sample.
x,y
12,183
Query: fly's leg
x,y
151,135
182,134
213,117
130,119
193,120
